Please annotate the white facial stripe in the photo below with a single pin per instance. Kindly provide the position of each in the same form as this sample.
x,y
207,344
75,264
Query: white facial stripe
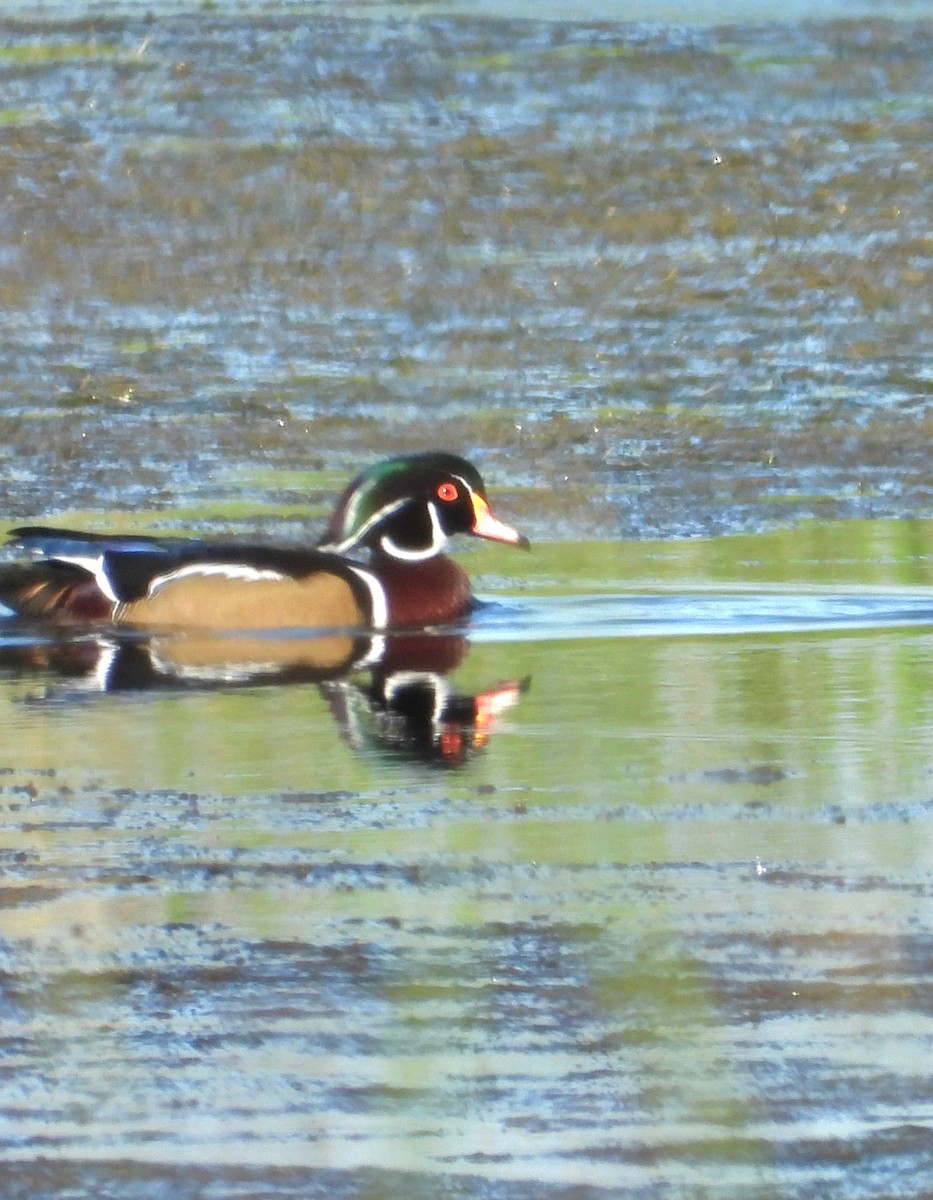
x,y
438,684
377,596
93,566
239,571
439,538
438,541
353,539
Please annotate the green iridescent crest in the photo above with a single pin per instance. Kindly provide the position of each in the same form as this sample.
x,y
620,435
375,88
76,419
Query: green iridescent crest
x,y
391,486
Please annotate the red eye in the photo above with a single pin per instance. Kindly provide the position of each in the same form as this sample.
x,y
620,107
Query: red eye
x,y
447,491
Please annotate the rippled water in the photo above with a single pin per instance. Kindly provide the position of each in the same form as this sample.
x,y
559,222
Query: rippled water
x,y
689,615
653,921
662,279
624,888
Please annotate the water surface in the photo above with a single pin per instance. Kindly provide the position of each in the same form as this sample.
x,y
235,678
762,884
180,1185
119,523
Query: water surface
x,y
635,901
659,279
665,921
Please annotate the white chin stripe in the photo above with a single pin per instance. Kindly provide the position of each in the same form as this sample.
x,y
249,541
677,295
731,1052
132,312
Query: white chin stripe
x,y
438,684
354,539
438,542
238,571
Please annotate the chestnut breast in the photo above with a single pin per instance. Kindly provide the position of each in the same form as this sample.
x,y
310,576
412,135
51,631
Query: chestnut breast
x,y
424,593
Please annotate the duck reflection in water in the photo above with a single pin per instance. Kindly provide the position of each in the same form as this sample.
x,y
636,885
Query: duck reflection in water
x,y
390,695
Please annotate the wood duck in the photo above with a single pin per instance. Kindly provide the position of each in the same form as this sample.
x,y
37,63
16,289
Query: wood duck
x,y
380,565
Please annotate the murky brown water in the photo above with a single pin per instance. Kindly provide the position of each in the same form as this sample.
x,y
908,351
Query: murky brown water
x,y
645,911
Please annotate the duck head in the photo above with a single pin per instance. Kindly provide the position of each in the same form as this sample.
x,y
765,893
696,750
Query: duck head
x,y
408,508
